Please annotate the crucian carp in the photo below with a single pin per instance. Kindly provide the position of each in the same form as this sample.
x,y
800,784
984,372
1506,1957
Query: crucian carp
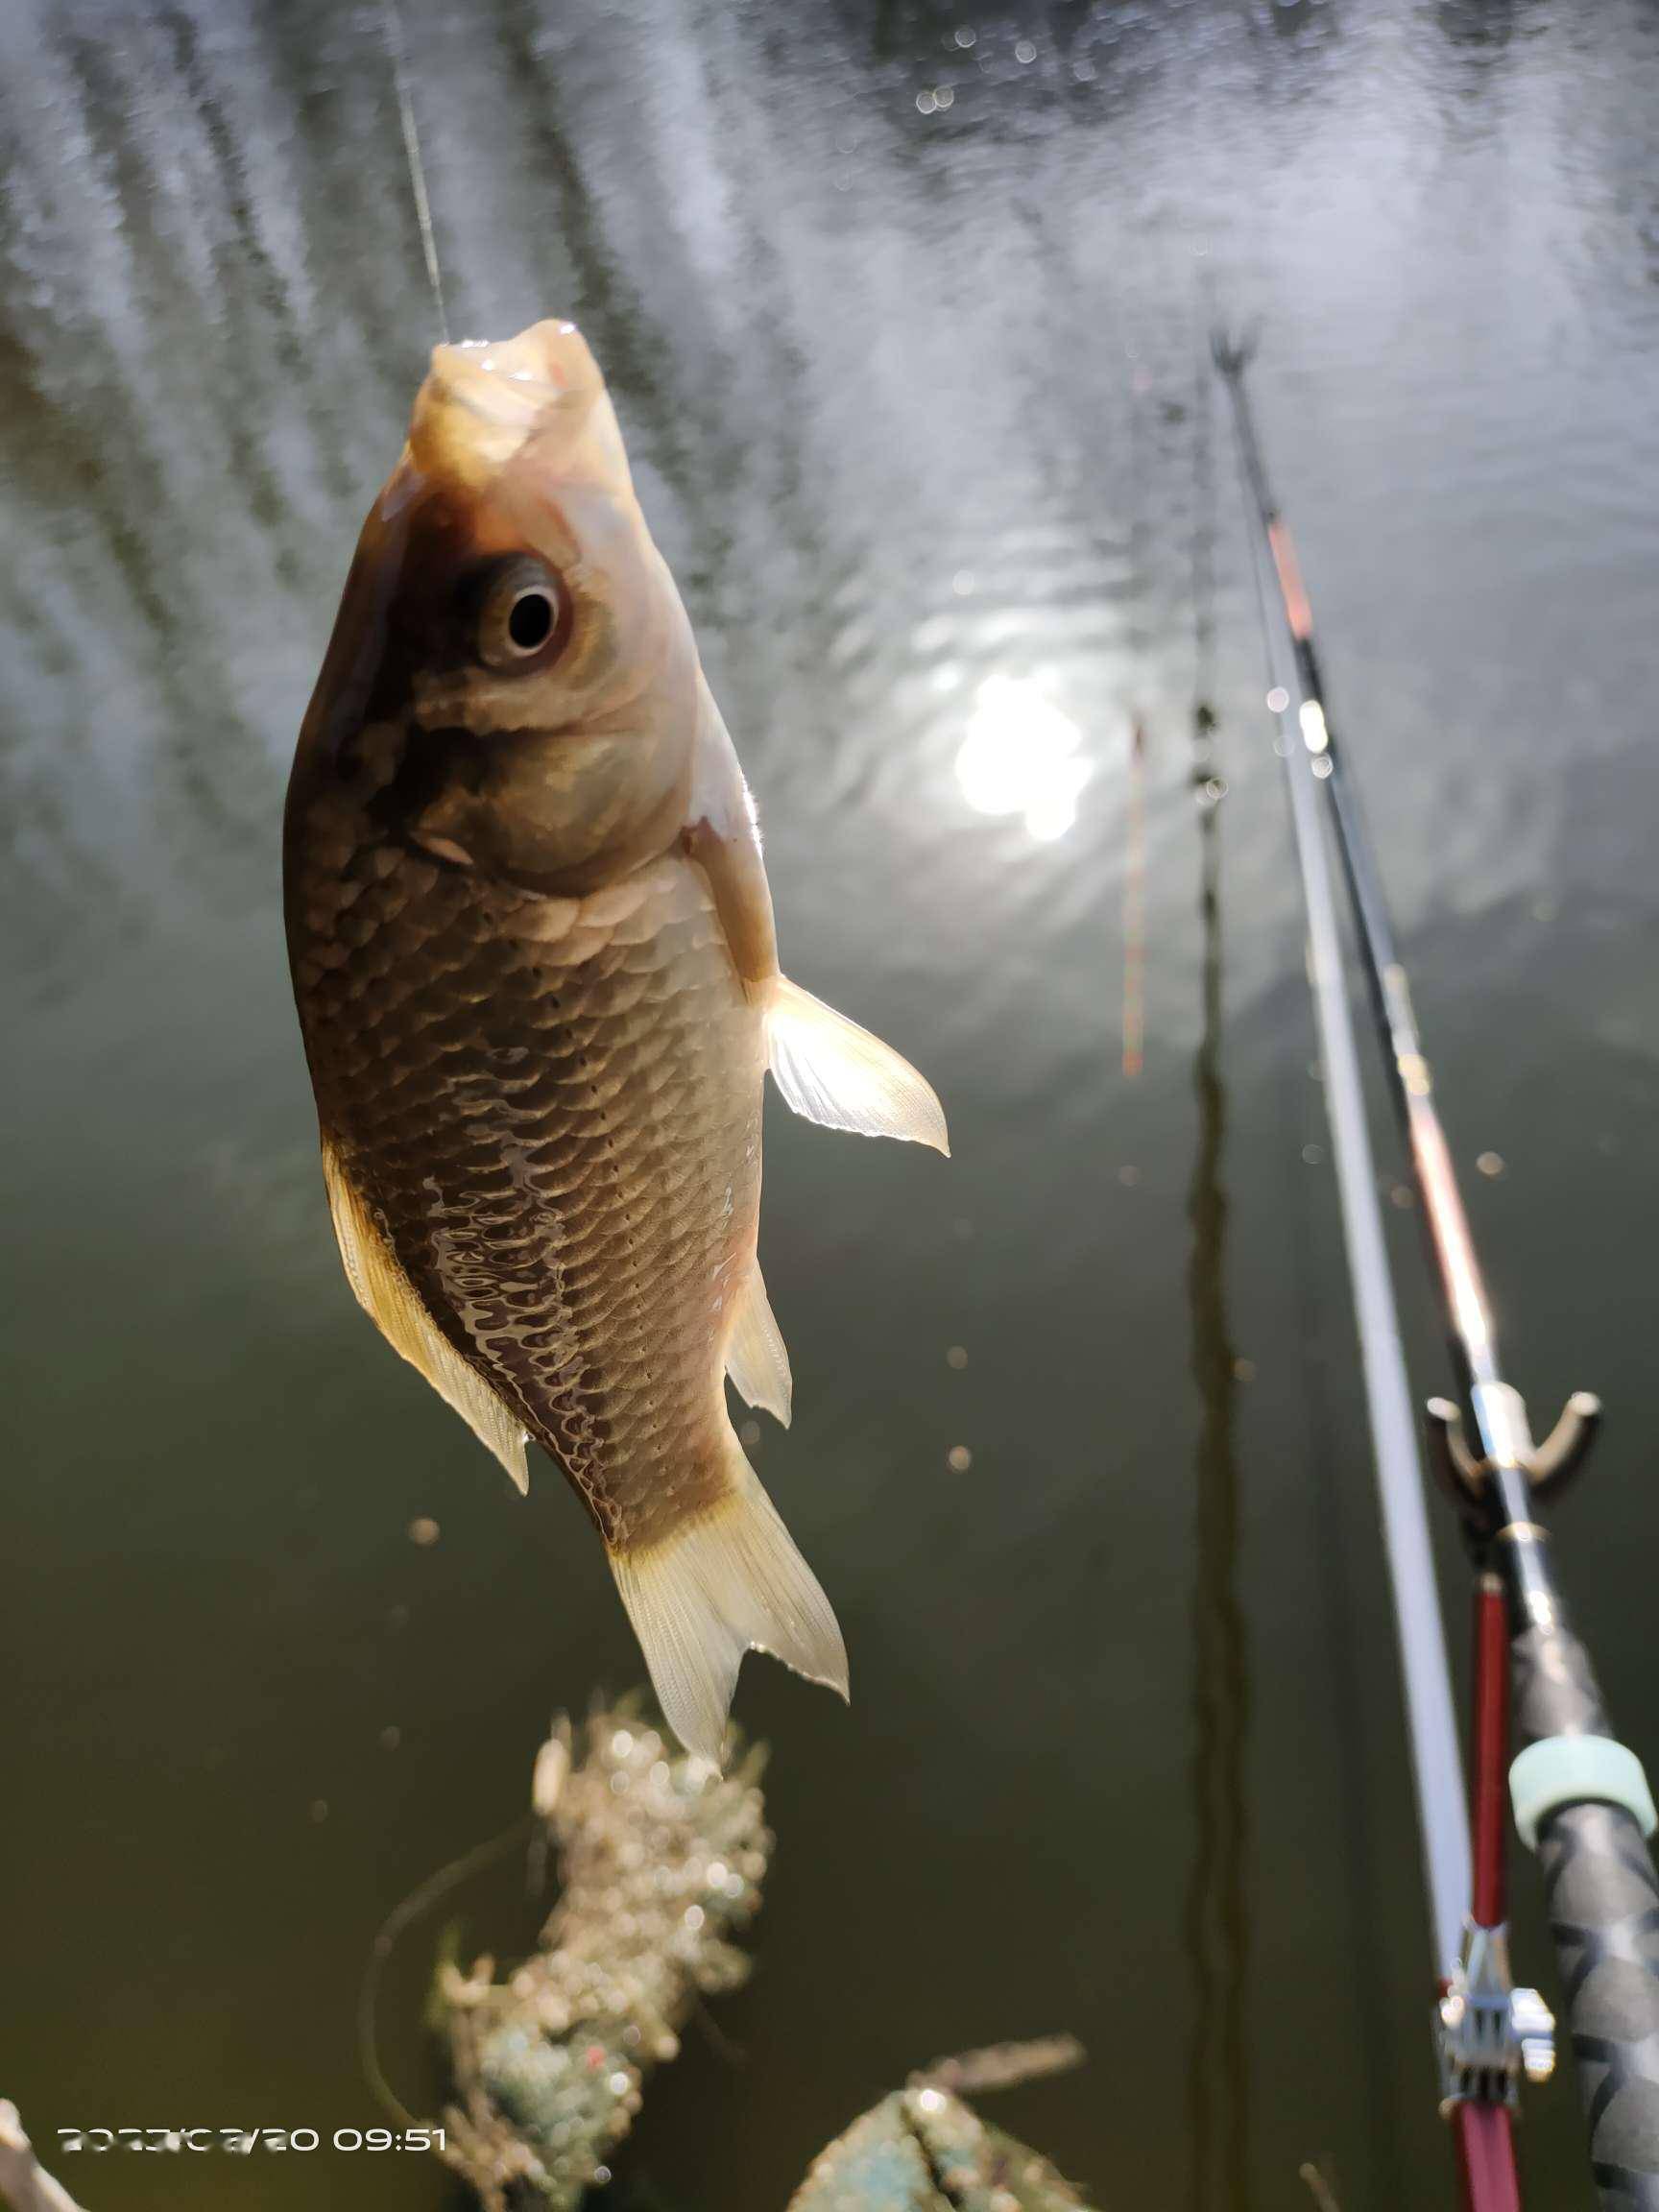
x,y
534,956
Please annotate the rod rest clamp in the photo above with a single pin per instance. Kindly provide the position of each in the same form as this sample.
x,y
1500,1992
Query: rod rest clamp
x,y
1490,2034
1549,1467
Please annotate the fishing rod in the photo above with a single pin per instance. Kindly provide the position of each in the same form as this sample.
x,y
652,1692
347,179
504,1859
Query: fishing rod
x,y
1432,1727
1484,2144
1579,1797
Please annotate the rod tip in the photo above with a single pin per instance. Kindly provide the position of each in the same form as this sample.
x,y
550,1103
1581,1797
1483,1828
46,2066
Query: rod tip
x,y
1233,352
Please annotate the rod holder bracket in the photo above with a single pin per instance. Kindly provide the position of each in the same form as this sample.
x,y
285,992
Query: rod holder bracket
x,y
1549,1467
1458,1470
1562,1455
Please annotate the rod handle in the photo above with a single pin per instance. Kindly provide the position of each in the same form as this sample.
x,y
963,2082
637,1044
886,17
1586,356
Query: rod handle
x,y
1604,1904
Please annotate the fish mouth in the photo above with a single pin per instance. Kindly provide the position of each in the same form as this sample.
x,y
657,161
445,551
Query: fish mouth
x,y
485,399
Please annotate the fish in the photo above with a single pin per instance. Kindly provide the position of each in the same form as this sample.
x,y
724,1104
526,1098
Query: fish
x,y
536,966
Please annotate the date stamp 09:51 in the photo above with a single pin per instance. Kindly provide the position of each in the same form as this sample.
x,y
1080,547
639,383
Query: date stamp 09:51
x,y
244,2142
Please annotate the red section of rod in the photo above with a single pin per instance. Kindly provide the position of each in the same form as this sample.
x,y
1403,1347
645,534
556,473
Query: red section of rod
x,y
1484,2133
1297,612
1485,2141
1489,1799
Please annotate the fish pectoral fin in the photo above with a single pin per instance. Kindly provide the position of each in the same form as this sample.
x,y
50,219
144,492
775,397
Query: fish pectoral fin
x,y
728,1581
389,1298
839,1075
756,1357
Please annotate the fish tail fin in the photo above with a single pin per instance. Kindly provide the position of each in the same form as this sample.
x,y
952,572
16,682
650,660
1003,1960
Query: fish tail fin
x,y
839,1075
729,1581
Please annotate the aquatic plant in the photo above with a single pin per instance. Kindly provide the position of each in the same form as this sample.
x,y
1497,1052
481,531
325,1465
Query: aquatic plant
x,y
661,1858
924,2150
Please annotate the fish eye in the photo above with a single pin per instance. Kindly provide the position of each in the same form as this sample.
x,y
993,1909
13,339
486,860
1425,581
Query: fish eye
x,y
530,620
521,615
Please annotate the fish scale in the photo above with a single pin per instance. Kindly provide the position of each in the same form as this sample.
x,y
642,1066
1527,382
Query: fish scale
x,y
622,1168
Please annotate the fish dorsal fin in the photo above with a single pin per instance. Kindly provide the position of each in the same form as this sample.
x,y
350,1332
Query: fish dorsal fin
x,y
838,1074
756,1358
727,1582
389,1298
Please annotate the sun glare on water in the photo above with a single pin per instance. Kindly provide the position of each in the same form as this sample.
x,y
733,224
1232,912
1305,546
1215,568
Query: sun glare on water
x,y
1019,756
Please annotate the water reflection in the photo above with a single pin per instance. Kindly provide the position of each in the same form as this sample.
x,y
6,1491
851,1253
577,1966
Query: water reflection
x,y
1216,1915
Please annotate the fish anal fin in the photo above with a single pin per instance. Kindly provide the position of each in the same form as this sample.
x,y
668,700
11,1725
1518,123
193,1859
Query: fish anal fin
x,y
756,1358
728,1581
389,1298
837,1075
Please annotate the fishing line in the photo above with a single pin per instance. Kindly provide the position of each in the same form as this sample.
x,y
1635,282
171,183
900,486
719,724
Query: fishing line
x,y
417,166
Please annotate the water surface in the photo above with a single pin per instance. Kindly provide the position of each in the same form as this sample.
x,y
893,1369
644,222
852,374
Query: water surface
x,y
901,308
